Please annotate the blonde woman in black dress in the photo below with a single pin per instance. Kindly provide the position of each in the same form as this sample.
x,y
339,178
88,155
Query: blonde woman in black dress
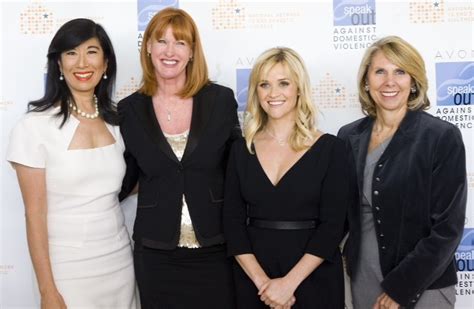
x,y
286,194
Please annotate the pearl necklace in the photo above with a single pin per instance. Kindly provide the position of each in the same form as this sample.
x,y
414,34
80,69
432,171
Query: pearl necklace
x,y
84,114
280,141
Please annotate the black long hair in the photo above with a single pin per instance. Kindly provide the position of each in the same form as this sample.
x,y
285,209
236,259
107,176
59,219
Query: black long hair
x,y
70,35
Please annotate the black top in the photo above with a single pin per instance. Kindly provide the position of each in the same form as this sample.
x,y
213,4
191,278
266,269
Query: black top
x,y
314,188
419,191
163,179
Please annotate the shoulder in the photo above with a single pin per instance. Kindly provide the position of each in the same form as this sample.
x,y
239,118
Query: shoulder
x,y
239,144
222,96
431,121
239,148
37,121
331,150
432,127
330,142
31,136
135,100
132,99
353,127
215,89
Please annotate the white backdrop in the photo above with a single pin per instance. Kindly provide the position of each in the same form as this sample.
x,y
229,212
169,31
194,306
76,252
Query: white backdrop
x,y
329,34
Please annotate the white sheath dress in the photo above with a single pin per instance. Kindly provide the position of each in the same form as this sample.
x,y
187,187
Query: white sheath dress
x,y
89,246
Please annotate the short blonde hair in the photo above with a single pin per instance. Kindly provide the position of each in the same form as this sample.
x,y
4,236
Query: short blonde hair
x,y
184,29
403,55
256,118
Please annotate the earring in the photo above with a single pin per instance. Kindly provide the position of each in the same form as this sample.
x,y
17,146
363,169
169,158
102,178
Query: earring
x,y
148,54
105,76
366,87
190,59
413,89
61,77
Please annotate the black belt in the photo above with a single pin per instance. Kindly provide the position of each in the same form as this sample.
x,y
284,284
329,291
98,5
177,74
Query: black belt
x,y
282,225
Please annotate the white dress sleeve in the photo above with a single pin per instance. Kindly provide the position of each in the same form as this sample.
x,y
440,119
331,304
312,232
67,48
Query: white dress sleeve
x,y
25,146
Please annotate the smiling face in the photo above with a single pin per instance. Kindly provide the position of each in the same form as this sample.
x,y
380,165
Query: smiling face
x,y
169,56
389,85
83,66
278,93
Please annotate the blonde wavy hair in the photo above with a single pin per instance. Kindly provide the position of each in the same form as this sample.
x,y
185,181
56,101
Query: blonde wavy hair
x,y
256,119
403,55
184,28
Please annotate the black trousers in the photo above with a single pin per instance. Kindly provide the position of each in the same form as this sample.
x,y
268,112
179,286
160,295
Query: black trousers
x,y
184,278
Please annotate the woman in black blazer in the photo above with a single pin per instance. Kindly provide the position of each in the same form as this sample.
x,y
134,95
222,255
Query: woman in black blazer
x,y
178,128
410,168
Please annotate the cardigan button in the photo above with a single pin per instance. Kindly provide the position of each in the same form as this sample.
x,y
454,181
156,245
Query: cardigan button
x,y
377,179
381,235
376,192
377,208
378,221
383,248
380,165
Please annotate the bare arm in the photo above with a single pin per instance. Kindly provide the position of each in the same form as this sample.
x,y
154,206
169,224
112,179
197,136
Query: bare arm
x,y
252,268
33,188
305,266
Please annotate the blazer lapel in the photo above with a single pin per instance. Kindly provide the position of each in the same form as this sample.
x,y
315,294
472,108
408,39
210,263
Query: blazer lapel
x,y
203,103
146,114
360,143
402,136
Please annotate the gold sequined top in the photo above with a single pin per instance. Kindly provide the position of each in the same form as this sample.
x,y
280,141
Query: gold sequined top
x,y
187,237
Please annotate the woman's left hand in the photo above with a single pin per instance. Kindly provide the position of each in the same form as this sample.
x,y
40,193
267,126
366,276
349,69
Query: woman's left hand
x,y
276,292
385,302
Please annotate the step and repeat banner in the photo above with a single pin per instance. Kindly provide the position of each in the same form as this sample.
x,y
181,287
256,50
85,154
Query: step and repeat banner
x,y
331,36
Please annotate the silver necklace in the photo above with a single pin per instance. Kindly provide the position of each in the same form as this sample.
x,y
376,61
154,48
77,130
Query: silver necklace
x,y
81,113
280,141
168,112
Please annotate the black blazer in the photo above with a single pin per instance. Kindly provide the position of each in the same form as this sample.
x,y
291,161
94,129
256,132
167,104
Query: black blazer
x,y
163,179
419,193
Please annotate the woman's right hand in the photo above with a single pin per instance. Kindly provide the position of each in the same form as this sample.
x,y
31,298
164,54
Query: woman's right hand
x,y
52,300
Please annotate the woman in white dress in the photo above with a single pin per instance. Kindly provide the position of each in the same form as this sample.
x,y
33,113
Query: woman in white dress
x,y
68,156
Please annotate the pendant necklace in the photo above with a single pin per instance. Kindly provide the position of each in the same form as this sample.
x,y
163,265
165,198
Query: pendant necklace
x,y
169,107
280,141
